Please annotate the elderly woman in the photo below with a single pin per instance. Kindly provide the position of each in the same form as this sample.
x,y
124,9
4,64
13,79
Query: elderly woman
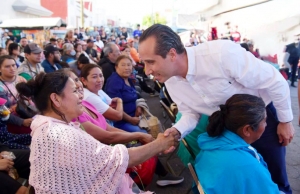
x,y
227,163
68,53
120,85
64,154
94,123
69,38
93,80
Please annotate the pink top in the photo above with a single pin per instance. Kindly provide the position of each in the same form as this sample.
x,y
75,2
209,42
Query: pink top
x,y
66,159
99,121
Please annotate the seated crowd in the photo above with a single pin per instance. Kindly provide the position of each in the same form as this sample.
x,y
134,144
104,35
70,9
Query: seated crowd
x,y
81,110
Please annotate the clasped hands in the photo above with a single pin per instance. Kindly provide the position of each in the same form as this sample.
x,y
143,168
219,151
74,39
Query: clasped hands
x,y
169,139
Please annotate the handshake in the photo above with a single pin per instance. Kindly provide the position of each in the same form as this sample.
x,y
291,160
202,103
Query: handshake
x,y
168,140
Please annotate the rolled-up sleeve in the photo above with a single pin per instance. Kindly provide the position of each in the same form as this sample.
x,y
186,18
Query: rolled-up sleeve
x,y
254,73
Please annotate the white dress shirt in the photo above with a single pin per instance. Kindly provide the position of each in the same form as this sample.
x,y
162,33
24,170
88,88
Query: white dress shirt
x,y
216,71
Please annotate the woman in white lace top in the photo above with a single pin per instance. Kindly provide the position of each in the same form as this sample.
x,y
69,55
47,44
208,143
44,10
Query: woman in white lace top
x,y
64,158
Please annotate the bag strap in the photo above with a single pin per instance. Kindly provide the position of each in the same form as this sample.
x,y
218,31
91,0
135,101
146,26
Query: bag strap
x,y
8,89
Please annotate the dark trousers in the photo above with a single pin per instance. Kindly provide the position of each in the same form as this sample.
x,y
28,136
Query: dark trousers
x,y
272,151
7,184
293,72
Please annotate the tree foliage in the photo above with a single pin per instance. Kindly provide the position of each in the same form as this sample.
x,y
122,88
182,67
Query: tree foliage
x,y
157,19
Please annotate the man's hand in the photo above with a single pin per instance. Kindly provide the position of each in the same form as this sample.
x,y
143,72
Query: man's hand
x,y
285,132
27,122
172,131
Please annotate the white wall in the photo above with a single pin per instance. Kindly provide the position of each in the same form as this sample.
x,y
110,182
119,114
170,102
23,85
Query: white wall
x,y
7,12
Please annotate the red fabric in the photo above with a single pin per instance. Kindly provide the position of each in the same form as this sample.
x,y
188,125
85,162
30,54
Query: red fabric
x,y
283,73
15,129
236,36
146,172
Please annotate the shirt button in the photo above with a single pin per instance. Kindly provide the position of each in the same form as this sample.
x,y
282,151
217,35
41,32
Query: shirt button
x,y
203,96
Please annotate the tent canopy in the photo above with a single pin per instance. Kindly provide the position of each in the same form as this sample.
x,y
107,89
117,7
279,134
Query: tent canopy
x,y
32,23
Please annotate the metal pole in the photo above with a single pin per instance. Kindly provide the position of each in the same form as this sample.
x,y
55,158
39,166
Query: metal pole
x,y
82,13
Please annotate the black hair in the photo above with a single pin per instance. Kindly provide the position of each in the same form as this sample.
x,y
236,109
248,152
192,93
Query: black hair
x,y
85,71
13,46
165,39
53,39
245,46
6,42
76,45
4,57
41,87
238,111
82,59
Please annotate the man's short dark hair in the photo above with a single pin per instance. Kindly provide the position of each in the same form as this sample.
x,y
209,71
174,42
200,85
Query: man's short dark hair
x,y
23,38
165,39
53,40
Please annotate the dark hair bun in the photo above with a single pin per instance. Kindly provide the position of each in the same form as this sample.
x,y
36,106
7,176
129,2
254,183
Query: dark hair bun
x,y
32,87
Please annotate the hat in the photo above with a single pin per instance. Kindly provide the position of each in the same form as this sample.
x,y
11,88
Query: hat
x,y
130,40
32,48
50,48
2,101
89,40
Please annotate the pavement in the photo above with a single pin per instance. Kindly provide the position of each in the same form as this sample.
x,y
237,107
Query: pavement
x,y
292,154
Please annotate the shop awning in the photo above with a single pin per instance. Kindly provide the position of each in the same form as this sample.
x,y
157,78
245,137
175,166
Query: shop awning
x,y
31,8
32,23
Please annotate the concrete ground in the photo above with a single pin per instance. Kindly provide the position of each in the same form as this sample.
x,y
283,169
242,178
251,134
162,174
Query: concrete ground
x,y
292,155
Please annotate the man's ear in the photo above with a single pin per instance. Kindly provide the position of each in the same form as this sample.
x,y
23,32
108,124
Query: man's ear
x,y
173,54
56,99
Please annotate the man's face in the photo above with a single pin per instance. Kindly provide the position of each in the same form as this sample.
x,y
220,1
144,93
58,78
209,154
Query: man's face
x,y
162,69
54,43
34,57
114,54
91,44
97,38
84,47
57,56
24,42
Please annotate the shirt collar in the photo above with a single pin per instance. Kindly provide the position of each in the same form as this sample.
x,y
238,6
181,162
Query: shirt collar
x,y
191,61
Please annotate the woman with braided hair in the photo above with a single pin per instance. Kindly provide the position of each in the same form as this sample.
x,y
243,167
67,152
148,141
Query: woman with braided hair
x,y
227,163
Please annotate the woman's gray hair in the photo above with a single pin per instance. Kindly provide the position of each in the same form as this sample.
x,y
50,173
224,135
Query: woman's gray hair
x,y
67,47
108,48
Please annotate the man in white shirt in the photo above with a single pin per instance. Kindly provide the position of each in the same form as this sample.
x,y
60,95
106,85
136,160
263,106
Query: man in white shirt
x,y
201,78
99,42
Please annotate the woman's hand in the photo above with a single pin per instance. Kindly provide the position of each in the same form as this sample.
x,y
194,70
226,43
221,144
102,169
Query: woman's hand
x,y
115,101
134,120
138,111
5,164
27,122
145,138
168,143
